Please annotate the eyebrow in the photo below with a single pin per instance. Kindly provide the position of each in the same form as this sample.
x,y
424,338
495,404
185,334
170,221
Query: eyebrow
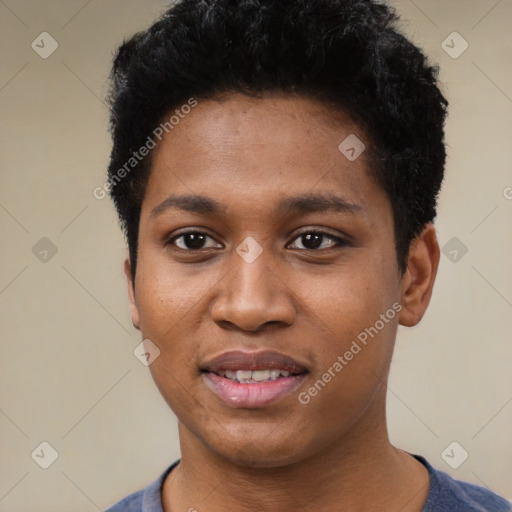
x,y
313,203
306,203
189,203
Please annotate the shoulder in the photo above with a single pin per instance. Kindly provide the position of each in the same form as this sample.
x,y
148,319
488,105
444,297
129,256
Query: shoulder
x,y
132,503
450,495
147,500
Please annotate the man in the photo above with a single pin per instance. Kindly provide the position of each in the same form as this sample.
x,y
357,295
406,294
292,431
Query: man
x,y
275,167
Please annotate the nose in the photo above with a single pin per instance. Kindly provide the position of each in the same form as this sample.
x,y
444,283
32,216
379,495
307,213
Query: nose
x,y
252,296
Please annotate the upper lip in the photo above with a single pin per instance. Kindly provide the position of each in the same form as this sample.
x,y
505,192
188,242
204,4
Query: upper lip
x,y
262,360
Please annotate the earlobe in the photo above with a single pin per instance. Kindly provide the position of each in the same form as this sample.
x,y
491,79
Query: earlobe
x,y
134,310
419,277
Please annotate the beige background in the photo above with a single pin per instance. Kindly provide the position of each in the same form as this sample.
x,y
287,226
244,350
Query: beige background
x,y
68,373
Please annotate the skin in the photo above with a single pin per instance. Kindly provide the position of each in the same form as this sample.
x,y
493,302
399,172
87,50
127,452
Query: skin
x,y
309,303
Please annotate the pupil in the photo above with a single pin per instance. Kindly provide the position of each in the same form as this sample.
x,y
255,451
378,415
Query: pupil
x,y
312,240
194,240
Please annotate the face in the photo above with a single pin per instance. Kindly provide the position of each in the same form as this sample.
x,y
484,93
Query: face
x,y
264,250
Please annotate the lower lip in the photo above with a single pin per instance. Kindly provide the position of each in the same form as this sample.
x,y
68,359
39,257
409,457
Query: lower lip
x,y
252,395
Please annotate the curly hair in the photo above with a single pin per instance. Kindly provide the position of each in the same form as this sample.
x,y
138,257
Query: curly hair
x,y
348,53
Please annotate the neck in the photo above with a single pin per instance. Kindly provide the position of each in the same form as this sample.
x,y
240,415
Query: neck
x,y
361,469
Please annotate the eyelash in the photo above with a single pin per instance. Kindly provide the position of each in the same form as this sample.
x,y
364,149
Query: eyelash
x,y
339,241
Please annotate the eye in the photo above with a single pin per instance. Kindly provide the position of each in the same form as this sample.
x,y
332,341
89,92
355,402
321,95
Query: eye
x,y
194,241
314,240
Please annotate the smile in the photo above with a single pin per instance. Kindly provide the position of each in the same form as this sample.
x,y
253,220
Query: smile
x,y
250,377
252,380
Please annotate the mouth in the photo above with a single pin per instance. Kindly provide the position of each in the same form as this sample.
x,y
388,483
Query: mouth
x,y
253,379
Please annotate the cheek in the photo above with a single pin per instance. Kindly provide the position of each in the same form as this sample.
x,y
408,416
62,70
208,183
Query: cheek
x,y
348,299
355,325
166,296
168,303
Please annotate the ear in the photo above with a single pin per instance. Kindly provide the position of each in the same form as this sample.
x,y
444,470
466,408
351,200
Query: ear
x,y
134,310
419,277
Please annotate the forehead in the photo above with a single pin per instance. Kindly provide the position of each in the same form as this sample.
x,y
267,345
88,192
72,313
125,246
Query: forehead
x,y
258,150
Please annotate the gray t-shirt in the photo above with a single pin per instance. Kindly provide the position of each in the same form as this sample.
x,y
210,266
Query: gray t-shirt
x,y
445,495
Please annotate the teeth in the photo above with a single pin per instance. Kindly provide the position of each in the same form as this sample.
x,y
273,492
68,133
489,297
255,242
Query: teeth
x,y
247,376
274,374
243,375
260,375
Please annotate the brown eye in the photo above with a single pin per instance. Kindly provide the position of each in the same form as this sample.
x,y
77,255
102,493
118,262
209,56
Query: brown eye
x,y
194,241
313,240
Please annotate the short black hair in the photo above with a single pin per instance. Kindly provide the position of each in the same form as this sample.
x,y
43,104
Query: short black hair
x,y
348,53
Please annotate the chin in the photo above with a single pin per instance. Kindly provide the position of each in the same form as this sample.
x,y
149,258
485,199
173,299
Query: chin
x,y
252,457
261,451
